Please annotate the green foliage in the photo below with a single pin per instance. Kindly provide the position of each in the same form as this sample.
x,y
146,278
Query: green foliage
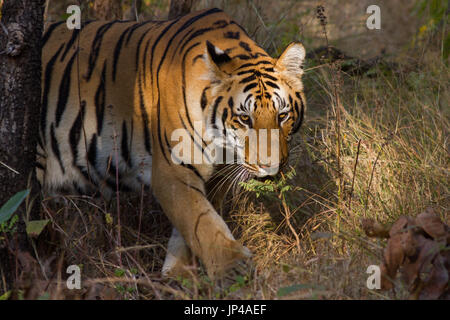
x,y
9,226
35,227
119,273
271,188
437,9
12,204
5,296
436,16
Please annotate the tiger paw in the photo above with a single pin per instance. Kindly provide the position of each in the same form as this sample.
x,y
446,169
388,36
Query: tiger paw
x,y
229,261
242,270
178,261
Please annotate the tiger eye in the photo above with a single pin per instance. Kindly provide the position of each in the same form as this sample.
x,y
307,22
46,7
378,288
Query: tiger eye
x,y
244,118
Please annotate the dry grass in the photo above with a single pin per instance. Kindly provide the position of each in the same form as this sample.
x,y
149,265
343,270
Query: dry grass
x,y
373,146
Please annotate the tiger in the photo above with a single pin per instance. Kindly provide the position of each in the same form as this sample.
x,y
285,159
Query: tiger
x,y
113,93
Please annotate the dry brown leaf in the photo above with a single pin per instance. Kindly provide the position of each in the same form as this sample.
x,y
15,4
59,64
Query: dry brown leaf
x,y
375,229
419,248
428,250
435,285
432,225
393,259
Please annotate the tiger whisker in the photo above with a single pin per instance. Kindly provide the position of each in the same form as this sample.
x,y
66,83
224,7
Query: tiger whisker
x,y
222,182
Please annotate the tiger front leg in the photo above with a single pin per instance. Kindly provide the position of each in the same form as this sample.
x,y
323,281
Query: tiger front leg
x,y
181,195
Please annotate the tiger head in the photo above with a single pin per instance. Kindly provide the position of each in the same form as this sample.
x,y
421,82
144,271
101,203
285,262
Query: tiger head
x,y
256,106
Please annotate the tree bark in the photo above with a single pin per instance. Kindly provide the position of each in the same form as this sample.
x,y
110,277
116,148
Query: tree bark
x,y
133,12
180,8
20,92
108,9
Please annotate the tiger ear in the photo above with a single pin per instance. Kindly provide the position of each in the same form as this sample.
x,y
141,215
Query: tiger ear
x,y
290,63
215,60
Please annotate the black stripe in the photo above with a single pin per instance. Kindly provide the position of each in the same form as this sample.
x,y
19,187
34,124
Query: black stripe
x,y
75,132
300,116
135,27
232,35
220,23
250,86
231,103
70,43
180,42
100,100
39,166
92,151
75,34
248,79
216,105
55,148
96,45
203,99
138,49
64,90
183,72
183,27
49,32
88,178
272,84
47,84
201,32
130,148
145,120
194,140
254,64
268,76
224,118
192,187
245,45
117,51
242,57
199,56
124,150
158,106
192,168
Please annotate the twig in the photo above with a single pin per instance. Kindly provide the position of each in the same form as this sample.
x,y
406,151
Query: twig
x,y
5,30
4,164
371,178
288,222
354,175
119,236
47,2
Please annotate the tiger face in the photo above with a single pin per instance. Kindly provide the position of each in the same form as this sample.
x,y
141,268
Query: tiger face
x,y
257,107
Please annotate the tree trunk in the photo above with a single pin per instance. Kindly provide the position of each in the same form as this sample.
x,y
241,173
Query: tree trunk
x,y
108,9
180,8
133,12
20,92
